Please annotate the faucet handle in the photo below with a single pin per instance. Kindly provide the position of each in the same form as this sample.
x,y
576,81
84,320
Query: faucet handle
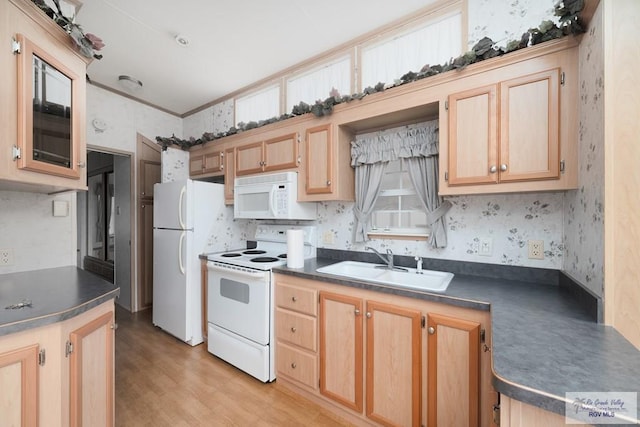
x,y
418,264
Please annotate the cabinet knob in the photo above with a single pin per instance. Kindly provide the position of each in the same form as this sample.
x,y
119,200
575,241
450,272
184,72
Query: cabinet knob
x,y
356,312
293,329
503,167
293,365
328,182
493,169
82,164
294,299
368,315
431,330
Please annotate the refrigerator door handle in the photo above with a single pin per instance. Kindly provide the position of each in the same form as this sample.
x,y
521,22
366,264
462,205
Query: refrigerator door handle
x,y
183,191
180,246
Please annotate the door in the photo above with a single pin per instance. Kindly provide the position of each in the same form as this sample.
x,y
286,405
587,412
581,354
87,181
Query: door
x,y
91,368
123,230
529,127
473,138
19,379
171,205
319,163
240,301
341,349
170,282
149,173
453,376
394,346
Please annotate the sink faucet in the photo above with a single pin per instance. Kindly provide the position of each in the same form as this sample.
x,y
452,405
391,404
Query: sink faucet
x,y
388,259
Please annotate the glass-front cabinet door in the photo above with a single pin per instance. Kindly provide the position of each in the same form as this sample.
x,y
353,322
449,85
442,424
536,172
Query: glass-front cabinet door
x,y
48,121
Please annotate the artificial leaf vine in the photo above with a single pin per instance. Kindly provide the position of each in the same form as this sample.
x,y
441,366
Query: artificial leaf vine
x,y
570,23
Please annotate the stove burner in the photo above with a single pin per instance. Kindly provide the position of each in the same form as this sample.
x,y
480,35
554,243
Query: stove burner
x,y
283,256
231,255
254,252
264,259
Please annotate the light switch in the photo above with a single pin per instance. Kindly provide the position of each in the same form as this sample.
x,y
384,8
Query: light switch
x,y
60,208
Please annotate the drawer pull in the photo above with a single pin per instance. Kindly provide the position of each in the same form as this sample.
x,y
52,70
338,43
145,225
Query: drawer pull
x,y
293,365
294,299
293,329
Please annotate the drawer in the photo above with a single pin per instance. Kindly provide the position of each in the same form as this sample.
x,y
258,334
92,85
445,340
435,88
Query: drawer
x,y
296,298
297,365
295,328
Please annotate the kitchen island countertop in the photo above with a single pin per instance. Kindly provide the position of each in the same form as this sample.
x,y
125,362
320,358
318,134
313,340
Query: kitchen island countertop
x,y
544,344
48,296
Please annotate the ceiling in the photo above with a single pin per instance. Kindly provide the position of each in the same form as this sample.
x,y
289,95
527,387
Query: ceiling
x,y
233,43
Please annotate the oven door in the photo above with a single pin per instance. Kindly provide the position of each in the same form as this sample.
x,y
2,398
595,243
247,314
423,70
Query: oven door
x,y
240,300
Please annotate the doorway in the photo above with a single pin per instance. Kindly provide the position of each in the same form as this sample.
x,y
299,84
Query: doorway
x,y
105,219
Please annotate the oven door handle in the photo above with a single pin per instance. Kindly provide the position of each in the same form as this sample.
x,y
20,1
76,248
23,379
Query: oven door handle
x,y
236,270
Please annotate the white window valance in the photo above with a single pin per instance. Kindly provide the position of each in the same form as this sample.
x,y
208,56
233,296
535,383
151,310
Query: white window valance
x,y
418,140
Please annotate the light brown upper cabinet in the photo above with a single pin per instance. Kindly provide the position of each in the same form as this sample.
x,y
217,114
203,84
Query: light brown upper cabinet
x,y
43,97
512,129
270,155
515,139
328,173
206,161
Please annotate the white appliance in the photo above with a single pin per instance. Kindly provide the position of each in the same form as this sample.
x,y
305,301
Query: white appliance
x,y
241,300
270,196
183,216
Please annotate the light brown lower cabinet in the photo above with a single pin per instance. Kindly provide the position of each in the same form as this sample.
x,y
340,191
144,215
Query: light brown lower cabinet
x,y
47,382
389,360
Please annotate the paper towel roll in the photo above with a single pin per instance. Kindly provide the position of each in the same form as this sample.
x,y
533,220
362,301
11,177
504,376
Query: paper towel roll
x,y
295,248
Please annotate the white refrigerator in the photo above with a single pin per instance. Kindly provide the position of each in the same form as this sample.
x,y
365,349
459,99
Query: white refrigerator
x,y
183,216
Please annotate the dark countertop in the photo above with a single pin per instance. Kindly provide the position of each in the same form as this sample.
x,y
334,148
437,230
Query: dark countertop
x,y
56,294
544,343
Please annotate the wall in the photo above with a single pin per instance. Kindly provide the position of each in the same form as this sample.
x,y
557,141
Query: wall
x,y
507,220
584,215
37,238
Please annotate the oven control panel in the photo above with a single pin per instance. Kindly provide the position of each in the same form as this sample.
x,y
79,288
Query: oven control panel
x,y
278,233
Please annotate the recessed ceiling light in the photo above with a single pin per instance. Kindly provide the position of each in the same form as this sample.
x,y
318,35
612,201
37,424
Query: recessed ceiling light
x,y
129,83
182,40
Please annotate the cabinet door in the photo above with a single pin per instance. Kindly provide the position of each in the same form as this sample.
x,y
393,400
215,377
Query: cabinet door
x,y
229,174
529,127
149,175
473,139
341,349
51,103
213,162
249,159
453,375
393,364
281,152
196,165
19,380
319,160
91,373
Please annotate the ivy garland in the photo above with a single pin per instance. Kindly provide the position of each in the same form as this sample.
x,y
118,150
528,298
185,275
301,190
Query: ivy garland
x,y
570,23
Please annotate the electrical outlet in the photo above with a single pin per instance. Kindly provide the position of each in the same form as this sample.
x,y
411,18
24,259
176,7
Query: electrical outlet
x,y
327,237
6,257
536,249
486,247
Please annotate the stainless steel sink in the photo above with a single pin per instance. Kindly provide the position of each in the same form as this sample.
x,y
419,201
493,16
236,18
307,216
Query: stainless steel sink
x,y
427,280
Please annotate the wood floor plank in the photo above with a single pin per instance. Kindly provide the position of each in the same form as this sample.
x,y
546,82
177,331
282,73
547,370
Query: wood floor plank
x,y
161,381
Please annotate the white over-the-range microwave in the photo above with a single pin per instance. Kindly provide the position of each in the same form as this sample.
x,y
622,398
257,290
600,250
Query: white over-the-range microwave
x,y
270,196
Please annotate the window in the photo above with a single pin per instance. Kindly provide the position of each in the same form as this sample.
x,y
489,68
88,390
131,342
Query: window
x,y
435,42
318,83
398,210
261,105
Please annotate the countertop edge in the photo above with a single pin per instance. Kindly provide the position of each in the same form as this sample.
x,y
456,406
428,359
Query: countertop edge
x,y
59,316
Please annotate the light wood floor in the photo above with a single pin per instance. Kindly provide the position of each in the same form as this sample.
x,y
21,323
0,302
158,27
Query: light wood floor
x,y
161,381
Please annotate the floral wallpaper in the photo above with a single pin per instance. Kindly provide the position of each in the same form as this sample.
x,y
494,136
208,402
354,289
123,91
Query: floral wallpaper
x,y
503,21
584,215
223,114
174,165
506,221
228,233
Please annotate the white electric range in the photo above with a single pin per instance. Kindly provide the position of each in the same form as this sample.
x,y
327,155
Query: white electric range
x,y
241,300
